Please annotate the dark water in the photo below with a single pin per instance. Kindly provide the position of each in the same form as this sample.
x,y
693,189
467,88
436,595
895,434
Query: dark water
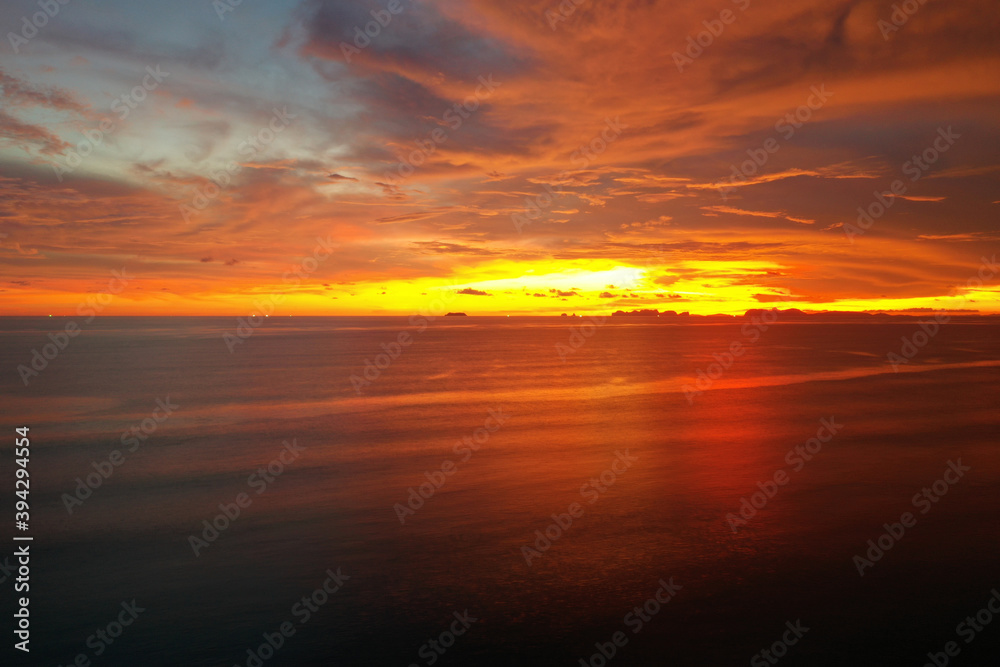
x,y
564,423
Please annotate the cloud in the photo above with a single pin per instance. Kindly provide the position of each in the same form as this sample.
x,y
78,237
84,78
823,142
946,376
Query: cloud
x,y
421,42
18,92
439,248
759,214
917,198
963,237
23,134
769,298
473,292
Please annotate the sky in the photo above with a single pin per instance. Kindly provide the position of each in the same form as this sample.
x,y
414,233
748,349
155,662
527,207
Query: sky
x,y
306,157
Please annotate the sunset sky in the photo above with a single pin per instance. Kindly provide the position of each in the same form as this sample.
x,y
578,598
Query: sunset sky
x,y
358,183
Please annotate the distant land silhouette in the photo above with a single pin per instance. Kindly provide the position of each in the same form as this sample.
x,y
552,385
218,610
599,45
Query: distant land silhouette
x,y
791,315
795,314
648,312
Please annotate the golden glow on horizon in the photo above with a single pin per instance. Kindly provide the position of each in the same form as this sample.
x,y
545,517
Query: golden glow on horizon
x,y
541,288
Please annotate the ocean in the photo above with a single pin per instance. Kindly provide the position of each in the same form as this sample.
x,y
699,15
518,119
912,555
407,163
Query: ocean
x,y
505,491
